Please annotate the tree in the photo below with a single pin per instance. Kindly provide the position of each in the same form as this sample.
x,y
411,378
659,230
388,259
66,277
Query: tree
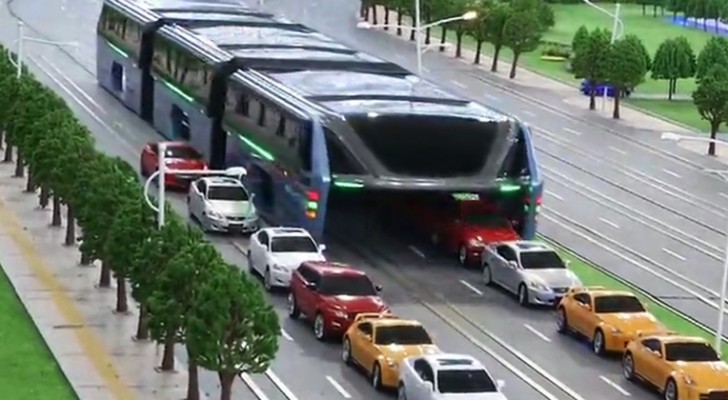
x,y
637,42
714,52
626,68
590,61
9,86
499,15
522,34
176,289
581,39
674,59
713,9
711,100
478,28
230,328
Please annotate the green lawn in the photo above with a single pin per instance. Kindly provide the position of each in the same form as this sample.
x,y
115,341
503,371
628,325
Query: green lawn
x,y
593,276
682,111
29,371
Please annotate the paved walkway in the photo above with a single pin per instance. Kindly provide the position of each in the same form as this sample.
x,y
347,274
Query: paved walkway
x,y
92,345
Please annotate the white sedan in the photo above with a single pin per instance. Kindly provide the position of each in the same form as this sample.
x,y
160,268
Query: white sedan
x,y
274,253
446,376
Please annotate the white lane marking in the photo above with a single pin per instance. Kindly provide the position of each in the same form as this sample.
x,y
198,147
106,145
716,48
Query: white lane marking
x,y
608,222
723,195
614,386
667,171
338,387
554,195
672,253
72,83
257,391
528,113
537,333
280,385
471,287
462,85
286,335
577,133
417,251
618,150
490,97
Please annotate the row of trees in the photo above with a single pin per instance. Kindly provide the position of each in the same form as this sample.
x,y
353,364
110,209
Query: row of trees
x,y
702,10
187,293
516,24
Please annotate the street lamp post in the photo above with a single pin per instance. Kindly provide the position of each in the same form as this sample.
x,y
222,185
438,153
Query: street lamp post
x,y
18,62
616,25
724,280
419,28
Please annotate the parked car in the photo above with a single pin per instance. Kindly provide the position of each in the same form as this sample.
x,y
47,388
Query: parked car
x,y
274,253
331,295
179,155
531,270
447,376
222,204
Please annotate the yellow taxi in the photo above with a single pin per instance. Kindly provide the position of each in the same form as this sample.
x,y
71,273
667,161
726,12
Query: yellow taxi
x,y
680,367
610,319
379,342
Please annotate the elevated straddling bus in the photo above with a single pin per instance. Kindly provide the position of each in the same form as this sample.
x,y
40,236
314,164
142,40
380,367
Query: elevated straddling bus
x,y
318,124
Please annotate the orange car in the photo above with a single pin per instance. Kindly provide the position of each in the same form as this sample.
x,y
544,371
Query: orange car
x,y
680,367
609,318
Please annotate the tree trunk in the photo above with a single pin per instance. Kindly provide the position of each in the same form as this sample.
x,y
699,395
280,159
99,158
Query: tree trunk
x,y
19,166
514,65
428,36
85,260
8,158
2,138
413,35
105,278
122,303
168,356
44,197
443,38
592,96
226,384
386,25
478,50
669,89
364,10
193,381
70,227
496,54
714,127
459,43
142,332
617,96
29,182
643,9
375,18
400,16
56,220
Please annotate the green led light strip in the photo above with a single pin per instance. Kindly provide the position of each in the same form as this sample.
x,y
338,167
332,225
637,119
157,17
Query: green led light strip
x,y
117,49
261,152
312,205
348,184
509,188
178,91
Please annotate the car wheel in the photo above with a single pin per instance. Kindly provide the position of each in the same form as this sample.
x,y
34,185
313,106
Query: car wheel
x,y
562,324
401,392
670,392
598,342
463,255
628,367
267,280
487,275
346,351
376,377
293,311
319,327
523,296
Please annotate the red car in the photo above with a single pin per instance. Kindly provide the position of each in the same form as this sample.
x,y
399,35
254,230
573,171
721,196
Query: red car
x,y
180,155
462,226
331,295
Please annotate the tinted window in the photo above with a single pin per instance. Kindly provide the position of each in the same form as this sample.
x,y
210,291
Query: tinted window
x,y
293,244
506,253
652,344
183,152
583,298
120,30
184,70
690,352
227,193
402,334
340,160
541,260
465,381
358,285
365,328
617,304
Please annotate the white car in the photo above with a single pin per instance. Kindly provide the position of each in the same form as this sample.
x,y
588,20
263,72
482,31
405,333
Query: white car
x,y
274,253
222,204
447,377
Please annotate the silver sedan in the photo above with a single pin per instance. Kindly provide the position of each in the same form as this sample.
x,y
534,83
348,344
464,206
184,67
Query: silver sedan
x,y
222,204
531,270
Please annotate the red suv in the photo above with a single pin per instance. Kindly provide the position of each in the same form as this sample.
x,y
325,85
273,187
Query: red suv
x,y
179,155
331,295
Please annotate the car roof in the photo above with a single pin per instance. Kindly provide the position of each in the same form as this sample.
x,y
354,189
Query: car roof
x,y
334,268
525,246
287,231
382,322
221,181
668,338
176,143
450,361
607,292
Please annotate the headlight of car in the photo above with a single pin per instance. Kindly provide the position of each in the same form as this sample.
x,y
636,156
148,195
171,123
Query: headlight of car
x,y
539,286
391,362
279,268
689,380
615,330
475,242
214,214
339,313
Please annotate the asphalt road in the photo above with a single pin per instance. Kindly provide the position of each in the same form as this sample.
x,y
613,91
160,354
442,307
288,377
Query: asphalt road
x,y
520,346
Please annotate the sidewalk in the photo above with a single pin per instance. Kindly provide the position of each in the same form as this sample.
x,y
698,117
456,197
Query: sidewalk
x,y
92,345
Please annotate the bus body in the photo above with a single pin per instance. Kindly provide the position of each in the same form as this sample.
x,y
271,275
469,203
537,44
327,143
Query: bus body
x,y
306,115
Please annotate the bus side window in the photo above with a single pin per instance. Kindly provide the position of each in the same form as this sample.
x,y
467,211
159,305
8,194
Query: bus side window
x,y
305,146
261,114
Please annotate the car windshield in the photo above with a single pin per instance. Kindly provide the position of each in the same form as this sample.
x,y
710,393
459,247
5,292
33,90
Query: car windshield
x,y
227,193
183,152
690,352
401,334
617,304
465,381
343,285
541,260
485,220
293,244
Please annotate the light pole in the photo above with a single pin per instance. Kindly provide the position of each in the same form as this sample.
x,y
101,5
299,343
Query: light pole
x,y
419,28
162,172
617,24
724,281
18,62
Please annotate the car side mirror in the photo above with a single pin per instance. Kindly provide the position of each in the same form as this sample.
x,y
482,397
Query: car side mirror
x,y
656,353
322,247
512,264
429,386
586,307
378,288
368,338
311,286
500,383
567,262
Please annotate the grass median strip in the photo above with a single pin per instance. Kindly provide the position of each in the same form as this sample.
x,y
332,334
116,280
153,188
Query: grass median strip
x,y
592,275
29,370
